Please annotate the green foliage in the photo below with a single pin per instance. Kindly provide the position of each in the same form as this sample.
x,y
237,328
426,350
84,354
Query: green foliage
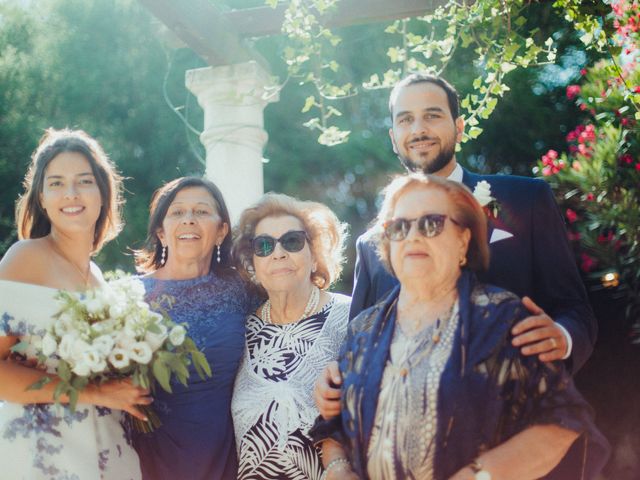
x,y
97,66
497,33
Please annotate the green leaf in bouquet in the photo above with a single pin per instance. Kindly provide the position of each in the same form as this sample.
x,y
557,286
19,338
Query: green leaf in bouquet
x,y
153,328
141,376
161,374
73,398
61,389
79,383
20,347
179,368
64,372
201,364
40,383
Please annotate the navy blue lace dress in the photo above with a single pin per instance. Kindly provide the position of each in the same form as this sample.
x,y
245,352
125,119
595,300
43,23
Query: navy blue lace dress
x,y
196,440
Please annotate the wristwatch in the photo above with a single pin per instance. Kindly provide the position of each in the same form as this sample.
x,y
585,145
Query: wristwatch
x,y
479,472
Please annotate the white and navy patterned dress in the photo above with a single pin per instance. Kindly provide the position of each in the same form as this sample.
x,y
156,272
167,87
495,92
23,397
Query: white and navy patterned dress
x,y
45,441
273,405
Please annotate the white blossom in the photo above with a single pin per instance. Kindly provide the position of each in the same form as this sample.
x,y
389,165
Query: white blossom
x,y
177,335
140,352
155,340
49,344
119,358
482,192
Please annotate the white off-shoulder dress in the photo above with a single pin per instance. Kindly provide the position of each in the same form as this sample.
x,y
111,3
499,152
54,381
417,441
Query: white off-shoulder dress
x,y
45,441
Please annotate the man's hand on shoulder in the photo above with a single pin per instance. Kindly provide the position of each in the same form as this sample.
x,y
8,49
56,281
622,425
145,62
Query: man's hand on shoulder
x,y
539,335
326,392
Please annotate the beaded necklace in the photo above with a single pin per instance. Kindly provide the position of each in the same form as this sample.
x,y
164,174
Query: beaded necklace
x,y
312,304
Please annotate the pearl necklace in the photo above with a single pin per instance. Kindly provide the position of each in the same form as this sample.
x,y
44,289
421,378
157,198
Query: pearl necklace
x,y
312,304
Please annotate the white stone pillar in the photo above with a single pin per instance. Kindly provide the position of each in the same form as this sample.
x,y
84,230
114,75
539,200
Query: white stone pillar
x,y
233,98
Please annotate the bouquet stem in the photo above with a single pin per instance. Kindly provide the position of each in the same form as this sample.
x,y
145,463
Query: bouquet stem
x,y
153,421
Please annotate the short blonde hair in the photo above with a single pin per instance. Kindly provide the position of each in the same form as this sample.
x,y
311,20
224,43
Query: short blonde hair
x,y
467,212
326,235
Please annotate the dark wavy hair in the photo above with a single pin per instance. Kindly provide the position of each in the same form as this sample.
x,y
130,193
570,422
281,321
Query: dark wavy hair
x,y
417,78
148,257
32,220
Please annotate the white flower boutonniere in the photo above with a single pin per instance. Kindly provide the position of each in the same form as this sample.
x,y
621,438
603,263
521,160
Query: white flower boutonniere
x,y
489,204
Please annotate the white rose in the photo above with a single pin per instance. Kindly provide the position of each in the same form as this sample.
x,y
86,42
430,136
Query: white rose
x,y
79,348
94,360
482,192
136,289
124,341
155,340
63,325
103,344
94,305
117,309
119,358
49,345
177,334
81,369
140,352
65,349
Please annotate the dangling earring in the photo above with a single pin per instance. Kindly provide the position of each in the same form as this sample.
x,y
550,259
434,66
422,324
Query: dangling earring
x,y
218,258
163,256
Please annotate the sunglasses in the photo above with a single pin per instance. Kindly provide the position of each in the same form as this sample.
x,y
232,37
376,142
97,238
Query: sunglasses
x,y
293,241
429,225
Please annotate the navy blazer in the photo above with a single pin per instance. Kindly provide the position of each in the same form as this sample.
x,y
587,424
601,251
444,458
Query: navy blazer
x,y
536,261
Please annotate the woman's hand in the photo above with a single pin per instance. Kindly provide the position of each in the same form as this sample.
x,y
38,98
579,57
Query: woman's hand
x,y
118,395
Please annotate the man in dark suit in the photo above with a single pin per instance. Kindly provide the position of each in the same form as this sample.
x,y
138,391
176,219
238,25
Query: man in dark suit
x,y
530,254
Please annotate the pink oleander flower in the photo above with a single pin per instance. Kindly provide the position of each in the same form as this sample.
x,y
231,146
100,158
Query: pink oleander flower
x,y
626,159
573,91
586,262
571,215
590,196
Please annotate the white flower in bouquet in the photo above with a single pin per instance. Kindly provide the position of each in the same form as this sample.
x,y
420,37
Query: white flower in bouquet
x,y
49,345
140,352
119,358
155,339
110,333
177,335
104,344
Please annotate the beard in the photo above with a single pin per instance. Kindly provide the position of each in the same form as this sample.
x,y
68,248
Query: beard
x,y
441,160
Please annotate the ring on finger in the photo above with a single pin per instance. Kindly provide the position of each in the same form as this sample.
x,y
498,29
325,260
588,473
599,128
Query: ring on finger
x,y
554,343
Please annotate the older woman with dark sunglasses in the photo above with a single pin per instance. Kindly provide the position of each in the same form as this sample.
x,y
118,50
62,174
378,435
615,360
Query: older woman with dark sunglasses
x,y
432,386
293,251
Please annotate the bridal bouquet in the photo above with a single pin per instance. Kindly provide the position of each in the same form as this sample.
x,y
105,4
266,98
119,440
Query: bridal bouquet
x,y
112,333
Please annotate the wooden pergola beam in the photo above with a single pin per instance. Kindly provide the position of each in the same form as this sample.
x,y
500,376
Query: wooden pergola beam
x,y
205,30
264,21
218,37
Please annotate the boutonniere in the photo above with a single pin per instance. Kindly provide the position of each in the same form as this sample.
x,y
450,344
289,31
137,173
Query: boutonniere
x,y
489,204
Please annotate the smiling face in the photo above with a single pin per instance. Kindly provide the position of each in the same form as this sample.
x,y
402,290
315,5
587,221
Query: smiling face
x,y
192,227
282,270
70,195
435,260
424,134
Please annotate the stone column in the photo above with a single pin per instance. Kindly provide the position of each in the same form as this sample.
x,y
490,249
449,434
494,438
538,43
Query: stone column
x,y
233,98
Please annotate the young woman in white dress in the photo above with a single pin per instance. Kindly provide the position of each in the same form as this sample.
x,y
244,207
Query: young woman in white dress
x,y
70,207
